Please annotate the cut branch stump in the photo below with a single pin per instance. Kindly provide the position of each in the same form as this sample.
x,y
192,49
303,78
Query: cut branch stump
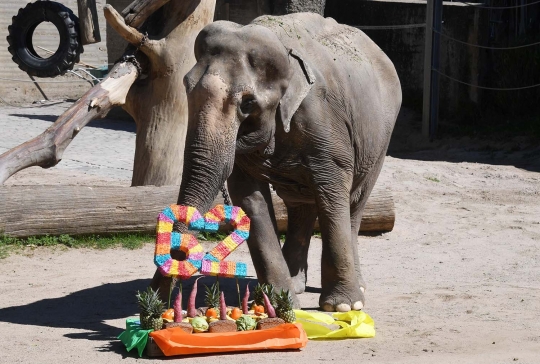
x,y
80,210
88,22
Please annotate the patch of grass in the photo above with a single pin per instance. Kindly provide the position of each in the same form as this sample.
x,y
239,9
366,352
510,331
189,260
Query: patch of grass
x,y
433,179
9,245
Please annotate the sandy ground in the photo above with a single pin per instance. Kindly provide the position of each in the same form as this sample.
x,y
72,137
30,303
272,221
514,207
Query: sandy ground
x,y
457,281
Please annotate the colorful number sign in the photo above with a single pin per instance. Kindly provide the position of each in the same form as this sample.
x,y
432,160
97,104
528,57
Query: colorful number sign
x,y
211,263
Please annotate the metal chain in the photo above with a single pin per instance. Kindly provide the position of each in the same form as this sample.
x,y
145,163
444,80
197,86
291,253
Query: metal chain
x,y
226,198
131,57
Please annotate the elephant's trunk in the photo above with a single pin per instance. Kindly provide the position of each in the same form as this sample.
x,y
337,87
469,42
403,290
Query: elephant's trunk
x,y
205,171
210,140
210,148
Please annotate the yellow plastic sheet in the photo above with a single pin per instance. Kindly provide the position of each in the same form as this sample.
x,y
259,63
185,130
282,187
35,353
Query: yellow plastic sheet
x,y
353,324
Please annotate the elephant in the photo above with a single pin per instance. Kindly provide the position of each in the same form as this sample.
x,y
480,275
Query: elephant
x,y
306,106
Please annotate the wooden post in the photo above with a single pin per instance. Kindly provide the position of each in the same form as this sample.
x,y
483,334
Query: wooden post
x,y
88,22
430,112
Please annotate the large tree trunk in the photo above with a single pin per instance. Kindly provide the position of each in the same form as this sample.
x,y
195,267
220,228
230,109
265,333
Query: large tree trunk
x,y
156,100
158,103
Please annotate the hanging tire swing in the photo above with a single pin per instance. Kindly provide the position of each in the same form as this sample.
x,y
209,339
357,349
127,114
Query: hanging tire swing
x,y
22,30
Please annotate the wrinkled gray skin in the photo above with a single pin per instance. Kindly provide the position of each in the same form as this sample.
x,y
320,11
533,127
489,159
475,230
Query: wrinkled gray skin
x,y
303,104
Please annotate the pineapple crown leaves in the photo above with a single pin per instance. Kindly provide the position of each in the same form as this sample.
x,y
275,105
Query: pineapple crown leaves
x,y
266,288
149,303
284,301
284,309
211,298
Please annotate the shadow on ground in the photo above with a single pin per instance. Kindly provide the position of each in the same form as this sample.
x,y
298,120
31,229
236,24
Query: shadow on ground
x,y
108,123
89,308
84,310
408,143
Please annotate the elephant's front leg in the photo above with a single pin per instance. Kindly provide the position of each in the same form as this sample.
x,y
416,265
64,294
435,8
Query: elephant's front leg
x,y
255,199
340,288
301,220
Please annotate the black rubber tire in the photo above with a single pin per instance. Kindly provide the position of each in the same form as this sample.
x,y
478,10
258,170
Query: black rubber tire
x,y
22,29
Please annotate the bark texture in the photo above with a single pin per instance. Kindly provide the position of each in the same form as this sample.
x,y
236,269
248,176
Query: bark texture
x,y
116,209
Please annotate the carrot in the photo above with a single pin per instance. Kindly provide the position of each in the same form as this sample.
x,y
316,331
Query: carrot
x,y
245,301
236,313
178,308
258,309
211,313
191,310
169,314
222,307
269,309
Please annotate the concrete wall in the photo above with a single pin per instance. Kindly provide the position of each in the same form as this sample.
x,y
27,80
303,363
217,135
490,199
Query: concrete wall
x,y
14,83
115,44
405,47
244,11
241,11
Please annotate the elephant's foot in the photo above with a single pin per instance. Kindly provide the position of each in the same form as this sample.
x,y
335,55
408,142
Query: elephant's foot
x,y
342,297
299,282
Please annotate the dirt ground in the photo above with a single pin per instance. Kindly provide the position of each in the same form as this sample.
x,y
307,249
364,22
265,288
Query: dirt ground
x,y
457,280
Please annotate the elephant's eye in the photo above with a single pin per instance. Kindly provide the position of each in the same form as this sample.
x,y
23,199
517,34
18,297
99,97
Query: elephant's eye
x,y
248,105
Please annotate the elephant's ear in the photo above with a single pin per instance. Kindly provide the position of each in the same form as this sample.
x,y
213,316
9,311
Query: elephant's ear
x,y
299,86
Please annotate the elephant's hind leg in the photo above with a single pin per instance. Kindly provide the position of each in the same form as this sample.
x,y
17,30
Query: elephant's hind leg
x,y
301,220
340,288
357,209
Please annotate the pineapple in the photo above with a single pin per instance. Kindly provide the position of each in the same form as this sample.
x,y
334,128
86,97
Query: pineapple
x,y
151,308
285,307
258,294
211,299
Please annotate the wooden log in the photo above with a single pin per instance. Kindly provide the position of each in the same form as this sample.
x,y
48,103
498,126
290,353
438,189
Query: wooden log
x,y
88,22
79,210
379,214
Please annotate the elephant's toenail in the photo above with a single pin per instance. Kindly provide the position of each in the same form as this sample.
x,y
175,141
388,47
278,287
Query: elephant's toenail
x,y
362,289
328,307
358,305
343,307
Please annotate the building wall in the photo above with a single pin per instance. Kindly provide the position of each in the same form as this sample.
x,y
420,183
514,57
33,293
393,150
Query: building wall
x,y
405,47
13,90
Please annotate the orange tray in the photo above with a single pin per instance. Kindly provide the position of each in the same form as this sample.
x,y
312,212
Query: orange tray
x,y
174,341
